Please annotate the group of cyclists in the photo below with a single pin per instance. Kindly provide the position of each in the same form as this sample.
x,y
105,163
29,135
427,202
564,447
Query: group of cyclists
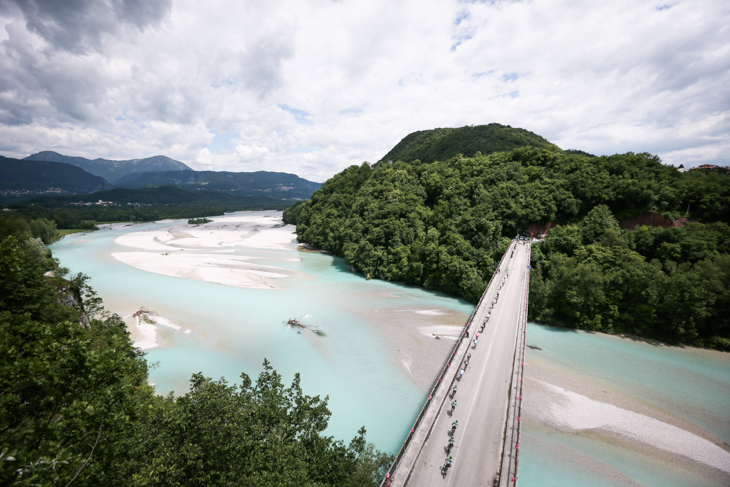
x,y
449,460
486,320
450,445
454,425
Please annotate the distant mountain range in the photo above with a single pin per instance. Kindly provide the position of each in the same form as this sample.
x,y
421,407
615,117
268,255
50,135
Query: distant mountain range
x,y
111,170
48,174
276,185
21,180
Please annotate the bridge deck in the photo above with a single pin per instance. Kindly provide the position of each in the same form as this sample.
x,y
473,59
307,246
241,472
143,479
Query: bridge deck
x,y
483,392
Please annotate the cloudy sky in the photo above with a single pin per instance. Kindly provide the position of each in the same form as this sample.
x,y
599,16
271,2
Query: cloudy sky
x,y
312,86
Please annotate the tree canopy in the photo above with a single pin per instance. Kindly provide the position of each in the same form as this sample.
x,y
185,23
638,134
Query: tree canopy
x,y
444,143
665,283
443,225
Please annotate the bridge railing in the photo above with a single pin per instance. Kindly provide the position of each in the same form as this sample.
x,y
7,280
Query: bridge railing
x,y
437,381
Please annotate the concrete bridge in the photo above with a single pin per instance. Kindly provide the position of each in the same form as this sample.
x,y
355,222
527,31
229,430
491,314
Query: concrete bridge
x,y
489,393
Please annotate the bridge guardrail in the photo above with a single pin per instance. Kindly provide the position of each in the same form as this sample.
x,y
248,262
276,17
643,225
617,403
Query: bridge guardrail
x,y
437,382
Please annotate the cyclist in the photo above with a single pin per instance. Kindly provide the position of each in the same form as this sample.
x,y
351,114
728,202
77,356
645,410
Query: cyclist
x,y
450,445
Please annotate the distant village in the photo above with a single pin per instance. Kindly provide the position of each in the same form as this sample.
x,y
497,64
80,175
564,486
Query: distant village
x,y
706,167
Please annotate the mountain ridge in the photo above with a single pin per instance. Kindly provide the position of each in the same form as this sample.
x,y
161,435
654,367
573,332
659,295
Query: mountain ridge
x,y
271,183
19,184
113,170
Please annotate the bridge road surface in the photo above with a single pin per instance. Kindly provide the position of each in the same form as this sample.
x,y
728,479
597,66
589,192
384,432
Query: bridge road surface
x,y
483,392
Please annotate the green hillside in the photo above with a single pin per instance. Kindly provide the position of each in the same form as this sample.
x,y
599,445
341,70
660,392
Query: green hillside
x,y
444,143
443,225
266,184
25,179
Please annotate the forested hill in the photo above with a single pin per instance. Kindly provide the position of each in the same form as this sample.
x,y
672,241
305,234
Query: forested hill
x,y
444,143
443,225
262,184
25,179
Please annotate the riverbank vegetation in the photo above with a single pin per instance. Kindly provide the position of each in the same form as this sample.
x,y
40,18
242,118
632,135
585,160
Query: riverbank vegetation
x,y
76,407
665,283
67,216
444,225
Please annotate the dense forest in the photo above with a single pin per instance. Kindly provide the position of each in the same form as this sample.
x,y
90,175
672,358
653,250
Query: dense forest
x,y
444,225
76,407
666,283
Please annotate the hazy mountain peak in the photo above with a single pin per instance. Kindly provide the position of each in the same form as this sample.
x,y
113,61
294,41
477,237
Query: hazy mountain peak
x,y
113,170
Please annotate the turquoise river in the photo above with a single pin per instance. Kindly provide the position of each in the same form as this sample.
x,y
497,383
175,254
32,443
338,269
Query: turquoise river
x,y
378,354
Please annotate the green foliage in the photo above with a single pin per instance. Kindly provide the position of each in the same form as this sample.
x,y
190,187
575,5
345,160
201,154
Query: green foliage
x,y
44,229
598,223
258,433
198,221
384,223
75,407
291,214
14,224
442,225
670,284
60,381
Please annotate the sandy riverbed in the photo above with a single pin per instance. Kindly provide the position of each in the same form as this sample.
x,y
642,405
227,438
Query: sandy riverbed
x,y
578,406
206,252
227,250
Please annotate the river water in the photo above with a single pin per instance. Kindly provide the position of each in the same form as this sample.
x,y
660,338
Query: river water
x,y
225,330
378,356
686,387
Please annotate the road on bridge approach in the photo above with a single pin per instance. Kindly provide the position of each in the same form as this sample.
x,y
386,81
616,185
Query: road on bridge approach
x,y
483,391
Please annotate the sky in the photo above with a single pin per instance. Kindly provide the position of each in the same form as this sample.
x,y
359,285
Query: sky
x,y
312,86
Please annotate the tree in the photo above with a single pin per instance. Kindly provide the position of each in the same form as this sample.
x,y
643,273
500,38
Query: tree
x,y
44,229
597,223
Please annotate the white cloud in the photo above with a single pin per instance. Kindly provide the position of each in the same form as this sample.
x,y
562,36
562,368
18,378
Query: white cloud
x,y
311,87
204,160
